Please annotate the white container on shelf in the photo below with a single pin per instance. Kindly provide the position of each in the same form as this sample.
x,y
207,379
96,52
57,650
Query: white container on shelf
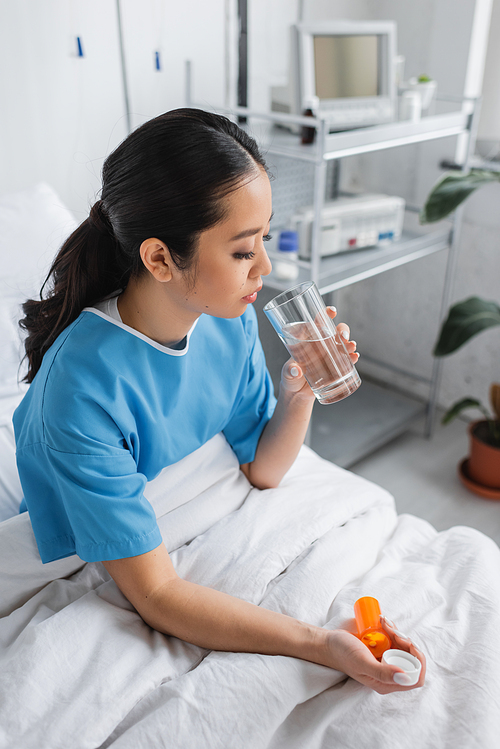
x,y
426,89
286,267
352,223
410,106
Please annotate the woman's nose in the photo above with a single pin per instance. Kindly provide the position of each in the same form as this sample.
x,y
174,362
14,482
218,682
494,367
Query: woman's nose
x,y
262,266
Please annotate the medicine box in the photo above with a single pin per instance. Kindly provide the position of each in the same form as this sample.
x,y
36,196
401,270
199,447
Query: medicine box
x,y
351,223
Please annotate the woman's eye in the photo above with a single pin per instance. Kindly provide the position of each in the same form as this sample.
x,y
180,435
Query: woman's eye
x,y
267,237
244,255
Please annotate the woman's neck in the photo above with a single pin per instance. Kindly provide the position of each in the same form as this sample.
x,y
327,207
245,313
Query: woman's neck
x,y
146,307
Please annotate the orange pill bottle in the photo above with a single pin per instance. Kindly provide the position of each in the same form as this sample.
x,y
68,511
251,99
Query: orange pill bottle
x,y
370,631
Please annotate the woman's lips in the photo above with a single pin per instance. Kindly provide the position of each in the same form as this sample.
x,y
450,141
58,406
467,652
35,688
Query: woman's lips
x,y
250,299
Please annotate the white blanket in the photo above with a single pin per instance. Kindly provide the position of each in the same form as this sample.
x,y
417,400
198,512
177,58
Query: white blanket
x,y
79,669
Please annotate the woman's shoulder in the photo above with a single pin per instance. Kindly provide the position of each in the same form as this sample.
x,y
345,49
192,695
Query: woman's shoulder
x,y
73,387
82,348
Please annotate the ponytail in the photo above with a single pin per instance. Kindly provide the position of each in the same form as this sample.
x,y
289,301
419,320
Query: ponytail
x,y
167,179
86,270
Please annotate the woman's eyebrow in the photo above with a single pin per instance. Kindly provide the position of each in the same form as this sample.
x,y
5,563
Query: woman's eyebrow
x,y
249,232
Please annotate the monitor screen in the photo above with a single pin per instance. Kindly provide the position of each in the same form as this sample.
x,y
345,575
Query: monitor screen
x,y
346,66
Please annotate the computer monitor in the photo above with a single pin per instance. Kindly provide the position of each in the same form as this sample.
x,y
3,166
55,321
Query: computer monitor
x,y
343,69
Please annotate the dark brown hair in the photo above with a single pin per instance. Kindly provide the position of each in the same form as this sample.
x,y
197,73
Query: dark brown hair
x,y
166,180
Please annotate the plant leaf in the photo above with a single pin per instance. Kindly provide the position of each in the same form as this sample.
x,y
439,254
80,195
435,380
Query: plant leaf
x,y
466,319
458,407
451,190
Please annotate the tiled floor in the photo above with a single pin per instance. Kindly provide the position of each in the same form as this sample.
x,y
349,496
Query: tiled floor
x,y
421,474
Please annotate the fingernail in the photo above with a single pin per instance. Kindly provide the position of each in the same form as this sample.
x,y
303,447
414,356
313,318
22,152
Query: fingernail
x,y
334,309
402,679
416,646
294,371
400,634
345,335
388,621
354,343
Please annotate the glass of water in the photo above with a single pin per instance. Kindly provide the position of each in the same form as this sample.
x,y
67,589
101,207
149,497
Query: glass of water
x,y
300,319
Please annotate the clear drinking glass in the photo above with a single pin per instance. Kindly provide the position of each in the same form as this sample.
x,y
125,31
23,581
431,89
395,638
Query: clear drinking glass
x,y
300,319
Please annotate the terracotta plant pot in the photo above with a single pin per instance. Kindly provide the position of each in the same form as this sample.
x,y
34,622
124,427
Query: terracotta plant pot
x,y
484,461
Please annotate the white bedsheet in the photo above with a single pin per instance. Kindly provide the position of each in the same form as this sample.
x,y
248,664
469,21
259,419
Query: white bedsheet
x,y
79,668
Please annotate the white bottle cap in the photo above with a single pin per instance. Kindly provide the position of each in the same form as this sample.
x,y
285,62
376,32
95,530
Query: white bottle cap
x,y
410,665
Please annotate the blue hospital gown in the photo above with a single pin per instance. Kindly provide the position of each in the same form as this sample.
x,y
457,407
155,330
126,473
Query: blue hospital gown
x,y
110,408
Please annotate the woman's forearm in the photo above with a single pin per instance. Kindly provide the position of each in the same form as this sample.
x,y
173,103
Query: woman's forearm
x,y
217,621
284,434
207,617
281,440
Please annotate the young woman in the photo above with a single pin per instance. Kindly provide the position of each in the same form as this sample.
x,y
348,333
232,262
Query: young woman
x,y
144,348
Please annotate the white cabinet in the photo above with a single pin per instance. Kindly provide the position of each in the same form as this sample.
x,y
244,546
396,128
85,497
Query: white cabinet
x,y
64,112
176,32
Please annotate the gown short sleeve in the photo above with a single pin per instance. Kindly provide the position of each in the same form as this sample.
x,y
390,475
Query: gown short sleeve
x,y
98,509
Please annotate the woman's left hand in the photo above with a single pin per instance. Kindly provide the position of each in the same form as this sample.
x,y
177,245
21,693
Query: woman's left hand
x,y
292,376
344,332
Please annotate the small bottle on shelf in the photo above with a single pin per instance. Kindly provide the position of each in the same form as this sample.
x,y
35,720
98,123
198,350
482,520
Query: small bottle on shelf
x,y
288,248
308,134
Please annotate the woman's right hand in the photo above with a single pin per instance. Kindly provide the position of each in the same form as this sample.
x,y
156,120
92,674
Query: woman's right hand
x,y
348,654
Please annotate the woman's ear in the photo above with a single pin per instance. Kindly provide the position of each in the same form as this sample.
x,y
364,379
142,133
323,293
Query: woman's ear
x,y
156,257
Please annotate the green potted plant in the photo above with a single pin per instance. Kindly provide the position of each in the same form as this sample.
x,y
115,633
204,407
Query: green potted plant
x,y
481,471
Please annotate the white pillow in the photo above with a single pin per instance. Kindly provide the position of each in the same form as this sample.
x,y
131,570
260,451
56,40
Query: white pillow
x,y
11,492
33,225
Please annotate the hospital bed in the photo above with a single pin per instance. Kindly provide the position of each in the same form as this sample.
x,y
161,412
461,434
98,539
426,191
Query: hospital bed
x,y
80,669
